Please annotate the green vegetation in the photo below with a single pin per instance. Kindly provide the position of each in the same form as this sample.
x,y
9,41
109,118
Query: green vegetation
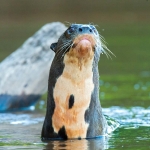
x,y
124,90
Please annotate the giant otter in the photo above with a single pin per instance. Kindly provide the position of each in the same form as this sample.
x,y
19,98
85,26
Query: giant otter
x,y
73,106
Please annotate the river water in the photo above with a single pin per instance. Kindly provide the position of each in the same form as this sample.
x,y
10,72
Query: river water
x,y
22,131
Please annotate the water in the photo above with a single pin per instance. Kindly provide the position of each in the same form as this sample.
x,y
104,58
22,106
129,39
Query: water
x,y
124,84
22,131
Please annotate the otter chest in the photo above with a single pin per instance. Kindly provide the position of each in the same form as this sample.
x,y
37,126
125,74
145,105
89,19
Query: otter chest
x,y
72,96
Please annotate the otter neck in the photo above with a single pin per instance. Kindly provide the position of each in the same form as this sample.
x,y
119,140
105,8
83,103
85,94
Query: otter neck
x,y
78,69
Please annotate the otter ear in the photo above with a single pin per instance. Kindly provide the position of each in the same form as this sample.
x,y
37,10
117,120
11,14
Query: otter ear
x,y
53,47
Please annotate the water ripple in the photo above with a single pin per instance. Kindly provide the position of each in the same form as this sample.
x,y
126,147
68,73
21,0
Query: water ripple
x,y
131,116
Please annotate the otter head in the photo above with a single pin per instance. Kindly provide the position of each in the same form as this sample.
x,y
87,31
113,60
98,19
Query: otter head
x,y
80,42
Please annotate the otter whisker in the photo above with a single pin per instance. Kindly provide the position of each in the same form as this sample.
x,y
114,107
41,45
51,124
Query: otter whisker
x,y
63,46
91,23
67,49
64,43
107,54
105,49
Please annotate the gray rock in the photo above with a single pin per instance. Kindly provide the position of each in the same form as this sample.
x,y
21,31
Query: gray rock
x,y
24,74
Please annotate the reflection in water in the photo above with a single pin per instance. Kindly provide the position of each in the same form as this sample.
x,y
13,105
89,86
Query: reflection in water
x,y
91,144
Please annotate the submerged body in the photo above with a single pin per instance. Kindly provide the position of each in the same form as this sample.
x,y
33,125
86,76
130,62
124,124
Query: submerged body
x,y
73,106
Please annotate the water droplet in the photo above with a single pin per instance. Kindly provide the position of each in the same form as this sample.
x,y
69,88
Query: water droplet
x,y
102,94
107,84
101,82
145,73
147,83
144,88
42,102
136,86
115,88
32,108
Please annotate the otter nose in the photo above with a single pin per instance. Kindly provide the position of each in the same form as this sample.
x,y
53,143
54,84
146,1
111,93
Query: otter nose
x,y
85,29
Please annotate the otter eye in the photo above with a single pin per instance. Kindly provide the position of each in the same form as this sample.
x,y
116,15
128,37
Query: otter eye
x,y
71,30
95,31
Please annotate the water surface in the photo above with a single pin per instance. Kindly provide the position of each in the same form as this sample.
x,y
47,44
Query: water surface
x,y
22,131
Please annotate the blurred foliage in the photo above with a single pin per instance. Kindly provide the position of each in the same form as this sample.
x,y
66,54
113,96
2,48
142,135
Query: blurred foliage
x,y
124,90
